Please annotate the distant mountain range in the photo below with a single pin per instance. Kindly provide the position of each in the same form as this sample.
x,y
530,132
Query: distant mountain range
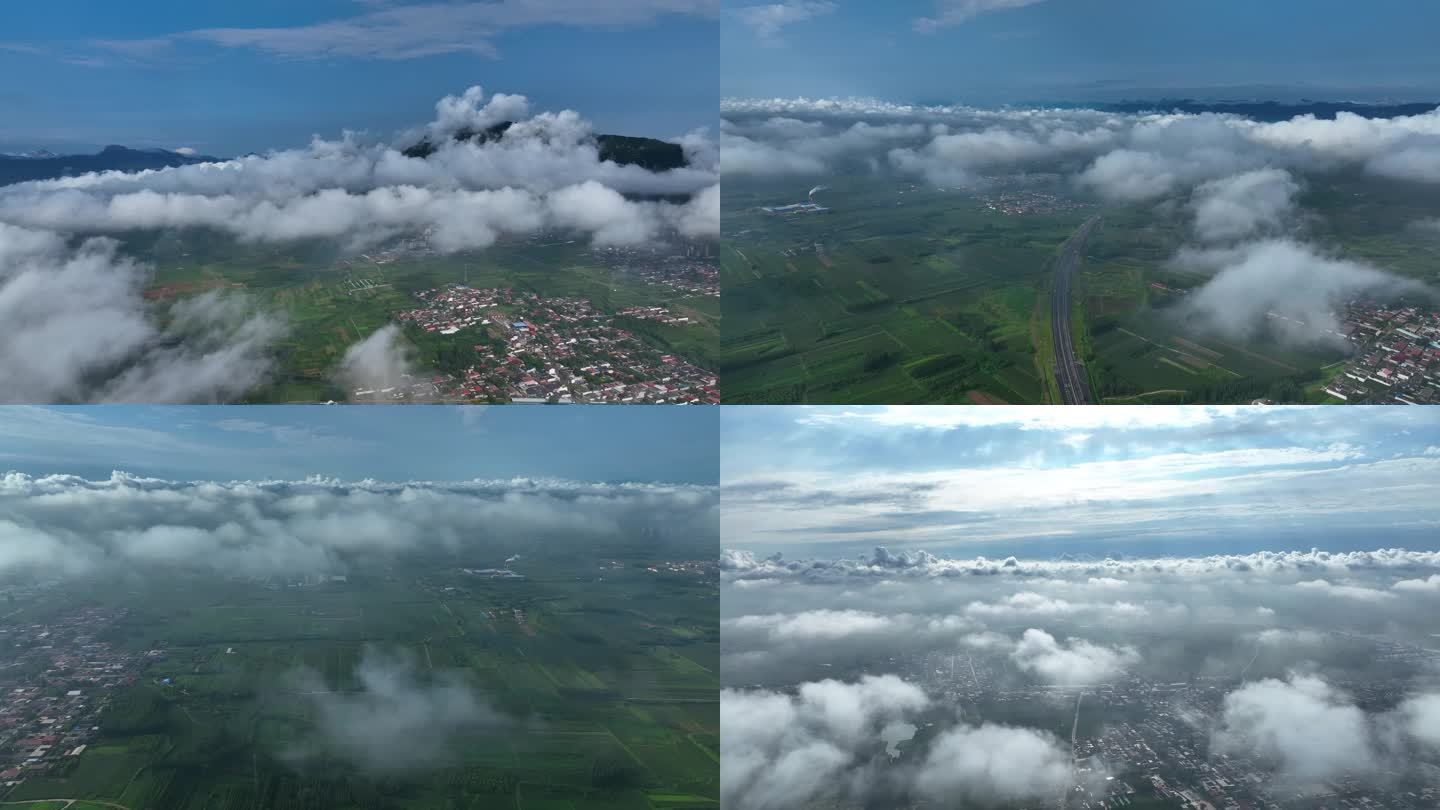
x,y
1265,110
44,165
649,153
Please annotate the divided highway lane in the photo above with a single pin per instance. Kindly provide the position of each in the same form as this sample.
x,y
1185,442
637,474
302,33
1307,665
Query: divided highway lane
x,y
1069,374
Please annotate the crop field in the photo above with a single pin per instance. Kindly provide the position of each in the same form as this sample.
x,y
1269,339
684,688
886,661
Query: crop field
x,y
329,303
607,690
897,294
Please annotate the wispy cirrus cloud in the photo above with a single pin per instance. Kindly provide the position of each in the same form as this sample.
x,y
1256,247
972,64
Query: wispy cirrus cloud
x,y
770,19
399,32
853,475
954,12
388,30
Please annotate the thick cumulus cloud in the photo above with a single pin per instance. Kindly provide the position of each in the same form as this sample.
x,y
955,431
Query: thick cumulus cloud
x,y
81,330
78,329
1244,205
544,172
1074,662
825,741
841,624
396,720
1281,287
884,564
66,525
1239,177
1303,667
993,763
1309,729
779,750
1123,156
1312,731
372,368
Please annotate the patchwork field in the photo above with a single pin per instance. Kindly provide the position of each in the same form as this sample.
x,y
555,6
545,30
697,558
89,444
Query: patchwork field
x,y
904,293
330,302
897,294
605,690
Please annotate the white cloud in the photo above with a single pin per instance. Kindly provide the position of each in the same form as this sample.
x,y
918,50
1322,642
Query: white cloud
x,y
1357,592
1307,728
1076,662
738,565
78,329
782,750
63,524
1243,205
779,751
994,762
954,12
1430,584
768,20
1287,288
413,31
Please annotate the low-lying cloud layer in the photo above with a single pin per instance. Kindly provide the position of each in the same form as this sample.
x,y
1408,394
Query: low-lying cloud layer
x,y
1311,731
65,525
396,720
1271,636
824,742
1238,177
885,564
544,172
80,329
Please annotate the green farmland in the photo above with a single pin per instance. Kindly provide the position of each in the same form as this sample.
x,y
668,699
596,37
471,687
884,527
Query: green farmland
x,y
599,688
909,293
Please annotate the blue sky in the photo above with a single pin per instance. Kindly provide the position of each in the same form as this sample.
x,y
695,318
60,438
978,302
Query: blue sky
x,y
228,78
1045,481
996,51
387,443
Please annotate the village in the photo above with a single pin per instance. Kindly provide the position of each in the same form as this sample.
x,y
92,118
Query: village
x,y
695,271
530,348
53,692
1396,355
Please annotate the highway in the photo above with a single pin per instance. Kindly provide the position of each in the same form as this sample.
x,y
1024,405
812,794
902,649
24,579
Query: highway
x,y
1069,374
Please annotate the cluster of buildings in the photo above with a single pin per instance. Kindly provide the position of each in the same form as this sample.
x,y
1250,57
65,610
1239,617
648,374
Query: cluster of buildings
x,y
1019,203
1396,355
53,690
493,573
694,271
656,314
1152,744
703,568
534,349
793,209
